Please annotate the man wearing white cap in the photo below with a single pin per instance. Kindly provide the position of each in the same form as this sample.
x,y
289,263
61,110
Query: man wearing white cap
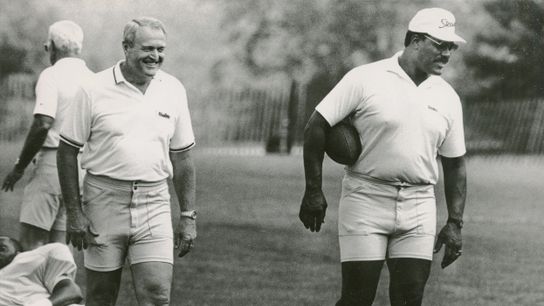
x,y
43,217
406,116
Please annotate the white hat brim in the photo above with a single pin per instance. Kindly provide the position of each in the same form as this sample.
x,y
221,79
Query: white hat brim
x,y
445,36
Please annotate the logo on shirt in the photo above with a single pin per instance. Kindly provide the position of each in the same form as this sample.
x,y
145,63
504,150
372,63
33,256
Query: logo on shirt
x,y
164,115
432,108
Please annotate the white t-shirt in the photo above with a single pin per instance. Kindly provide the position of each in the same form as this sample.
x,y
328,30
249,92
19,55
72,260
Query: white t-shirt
x,y
129,135
34,274
402,127
55,91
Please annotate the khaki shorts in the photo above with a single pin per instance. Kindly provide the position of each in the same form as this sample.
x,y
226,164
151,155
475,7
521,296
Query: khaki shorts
x,y
42,200
133,221
378,221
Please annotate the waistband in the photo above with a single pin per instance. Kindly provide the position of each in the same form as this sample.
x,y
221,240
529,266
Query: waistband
x,y
122,184
399,184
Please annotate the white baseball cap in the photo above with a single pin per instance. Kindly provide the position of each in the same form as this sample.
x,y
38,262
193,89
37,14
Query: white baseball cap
x,y
436,22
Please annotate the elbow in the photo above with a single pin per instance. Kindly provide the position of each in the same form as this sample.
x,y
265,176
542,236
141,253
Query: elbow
x,y
66,292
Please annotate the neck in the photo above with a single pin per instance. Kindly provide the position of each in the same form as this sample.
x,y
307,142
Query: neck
x,y
58,56
409,66
141,82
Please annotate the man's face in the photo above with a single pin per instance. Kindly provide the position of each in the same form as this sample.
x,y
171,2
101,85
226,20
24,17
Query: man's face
x,y
145,57
7,251
434,54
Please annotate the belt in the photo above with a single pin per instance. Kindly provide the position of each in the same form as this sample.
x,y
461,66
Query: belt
x,y
399,184
124,184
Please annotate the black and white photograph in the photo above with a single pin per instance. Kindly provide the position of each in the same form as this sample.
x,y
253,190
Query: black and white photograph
x,y
271,152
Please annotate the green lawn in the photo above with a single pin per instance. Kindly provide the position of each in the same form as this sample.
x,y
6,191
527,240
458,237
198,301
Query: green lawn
x,y
252,250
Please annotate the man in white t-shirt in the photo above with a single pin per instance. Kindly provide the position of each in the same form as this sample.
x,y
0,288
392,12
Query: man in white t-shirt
x,y
133,119
40,277
406,116
42,216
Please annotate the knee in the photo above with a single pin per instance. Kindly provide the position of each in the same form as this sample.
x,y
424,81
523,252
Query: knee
x,y
155,293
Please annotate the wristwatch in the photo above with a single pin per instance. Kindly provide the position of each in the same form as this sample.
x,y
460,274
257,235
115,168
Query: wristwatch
x,y
458,222
191,214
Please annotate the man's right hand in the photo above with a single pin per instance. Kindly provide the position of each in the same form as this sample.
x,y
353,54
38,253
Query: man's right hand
x,y
80,233
11,179
313,209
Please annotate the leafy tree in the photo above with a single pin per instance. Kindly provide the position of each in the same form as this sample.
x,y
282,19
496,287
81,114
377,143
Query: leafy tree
x,y
507,60
305,39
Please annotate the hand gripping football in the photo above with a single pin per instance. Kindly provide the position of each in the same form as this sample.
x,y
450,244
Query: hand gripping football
x,y
342,143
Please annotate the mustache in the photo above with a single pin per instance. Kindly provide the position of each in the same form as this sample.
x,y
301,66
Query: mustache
x,y
443,59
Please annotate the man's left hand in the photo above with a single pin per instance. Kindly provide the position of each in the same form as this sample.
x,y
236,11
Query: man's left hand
x,y
450,235
185,235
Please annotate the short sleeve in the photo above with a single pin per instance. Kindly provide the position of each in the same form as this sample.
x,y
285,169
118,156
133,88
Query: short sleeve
x,y
46,94
60,265
183,138
454,143
343,99
76,128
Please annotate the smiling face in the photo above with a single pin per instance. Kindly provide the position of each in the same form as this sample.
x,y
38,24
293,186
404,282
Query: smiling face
x,y
433,54
7,251
146,54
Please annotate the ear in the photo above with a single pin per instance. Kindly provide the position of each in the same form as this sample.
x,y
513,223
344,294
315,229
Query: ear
x,y
125,47
416,40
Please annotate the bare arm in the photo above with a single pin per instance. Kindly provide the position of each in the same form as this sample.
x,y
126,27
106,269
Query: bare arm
x,y
314,205
77,226
33,143
66,292
455,188
185,185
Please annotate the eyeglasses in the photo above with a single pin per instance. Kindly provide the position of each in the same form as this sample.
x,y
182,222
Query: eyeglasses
x,y
442,45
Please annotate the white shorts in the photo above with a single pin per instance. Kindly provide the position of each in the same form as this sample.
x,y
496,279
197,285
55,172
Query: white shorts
x,y
42,204
378,221
132,219
42,200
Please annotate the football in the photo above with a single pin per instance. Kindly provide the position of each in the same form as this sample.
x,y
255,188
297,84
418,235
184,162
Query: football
x,y
342,143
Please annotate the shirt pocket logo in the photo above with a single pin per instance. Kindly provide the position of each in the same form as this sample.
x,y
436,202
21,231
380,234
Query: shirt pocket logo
x,y
164,115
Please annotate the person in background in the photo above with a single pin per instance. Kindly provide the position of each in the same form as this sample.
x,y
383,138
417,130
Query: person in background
x,y
40,277
42,216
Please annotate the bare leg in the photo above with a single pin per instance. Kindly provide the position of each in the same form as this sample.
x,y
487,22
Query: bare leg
x,y
359,282
152,282
408,279
32,237
57,236
102,287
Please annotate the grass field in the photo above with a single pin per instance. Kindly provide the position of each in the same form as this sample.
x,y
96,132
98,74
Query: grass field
x,y
252,250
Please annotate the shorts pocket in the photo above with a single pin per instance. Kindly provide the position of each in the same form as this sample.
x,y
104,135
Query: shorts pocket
x,y
426,213
159,220
91,193
96,207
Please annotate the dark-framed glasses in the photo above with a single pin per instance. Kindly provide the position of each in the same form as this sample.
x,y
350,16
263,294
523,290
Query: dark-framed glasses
x,y
442,45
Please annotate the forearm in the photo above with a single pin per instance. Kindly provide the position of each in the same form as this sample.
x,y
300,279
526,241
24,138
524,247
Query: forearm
x,y
455,186
67,166
33,143
66,292
314,151
184,180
